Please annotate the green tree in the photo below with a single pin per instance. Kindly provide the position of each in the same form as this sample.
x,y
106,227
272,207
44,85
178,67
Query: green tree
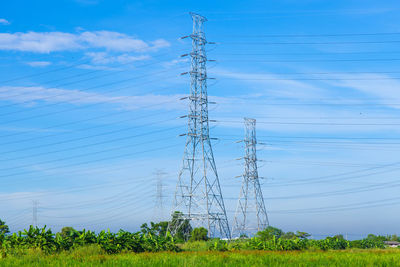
x,y
199,234
377,237
243,236
67,231
159,229
289,235
183,227
339,237
4,229
269,232
302,235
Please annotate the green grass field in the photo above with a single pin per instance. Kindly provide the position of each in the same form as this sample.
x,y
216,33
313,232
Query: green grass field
x,y
93,256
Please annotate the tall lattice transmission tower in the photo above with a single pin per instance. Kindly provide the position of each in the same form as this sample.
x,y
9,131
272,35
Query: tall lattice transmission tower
x,y
251,214
198,195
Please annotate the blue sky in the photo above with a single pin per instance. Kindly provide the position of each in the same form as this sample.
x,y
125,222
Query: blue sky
x,y
90,93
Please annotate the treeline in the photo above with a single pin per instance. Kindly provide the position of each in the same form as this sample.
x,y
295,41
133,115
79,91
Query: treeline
x,y
155,237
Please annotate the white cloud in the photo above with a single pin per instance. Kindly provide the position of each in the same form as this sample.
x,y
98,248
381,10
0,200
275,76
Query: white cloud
x,y
4,22
39,42
96,67
176,62
39,63
38,93
104,58
46,42
113,41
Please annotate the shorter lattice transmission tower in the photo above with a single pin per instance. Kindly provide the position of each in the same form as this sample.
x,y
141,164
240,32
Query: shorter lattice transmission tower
x,y
251,215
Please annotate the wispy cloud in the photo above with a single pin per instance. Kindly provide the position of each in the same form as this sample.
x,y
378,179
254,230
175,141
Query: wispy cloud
x,y
47,42
4,22
38,63
176,62
274,85
28,130
36,94
383,88
104,58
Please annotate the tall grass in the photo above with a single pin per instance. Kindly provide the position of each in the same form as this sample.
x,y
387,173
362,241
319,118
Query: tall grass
x,y
93,256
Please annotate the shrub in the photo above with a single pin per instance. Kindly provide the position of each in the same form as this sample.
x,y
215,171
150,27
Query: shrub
x,y
199,234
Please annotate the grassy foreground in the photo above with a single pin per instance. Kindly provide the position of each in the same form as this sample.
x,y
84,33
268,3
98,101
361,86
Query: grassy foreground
x,y
93,256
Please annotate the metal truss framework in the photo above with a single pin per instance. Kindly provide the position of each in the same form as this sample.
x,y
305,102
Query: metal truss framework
x,y
159,204
250,207
198,195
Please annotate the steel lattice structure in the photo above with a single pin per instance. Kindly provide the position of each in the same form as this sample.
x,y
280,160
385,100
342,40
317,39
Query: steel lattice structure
x,y
159,205
198,193
250,207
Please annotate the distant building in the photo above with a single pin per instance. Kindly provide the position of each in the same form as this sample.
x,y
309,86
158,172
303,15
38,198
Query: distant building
x,y
392,244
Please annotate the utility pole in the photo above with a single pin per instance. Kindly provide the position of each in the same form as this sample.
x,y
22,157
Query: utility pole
x,y
251,199
34,213
198,197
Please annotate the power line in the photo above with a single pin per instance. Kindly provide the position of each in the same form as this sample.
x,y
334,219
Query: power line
x,y
98,185
322,163
324,73
93,153
368,188
84,137
74,82
313,35
46,72
317,123
105,210
331,142
80,107
315,79
327,177
34,213
88,120
332,137
361,117
311,60
159,202
305,53
86,145
84,97
89,161
104,200
87,129
317,104
312,43
86,73
354,206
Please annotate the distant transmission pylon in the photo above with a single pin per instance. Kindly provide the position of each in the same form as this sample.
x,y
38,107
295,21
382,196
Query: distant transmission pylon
x,y
34,213
251,214
198,195
159,205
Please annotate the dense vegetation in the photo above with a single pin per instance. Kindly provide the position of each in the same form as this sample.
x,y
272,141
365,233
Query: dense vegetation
x,y
70,247
155,238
